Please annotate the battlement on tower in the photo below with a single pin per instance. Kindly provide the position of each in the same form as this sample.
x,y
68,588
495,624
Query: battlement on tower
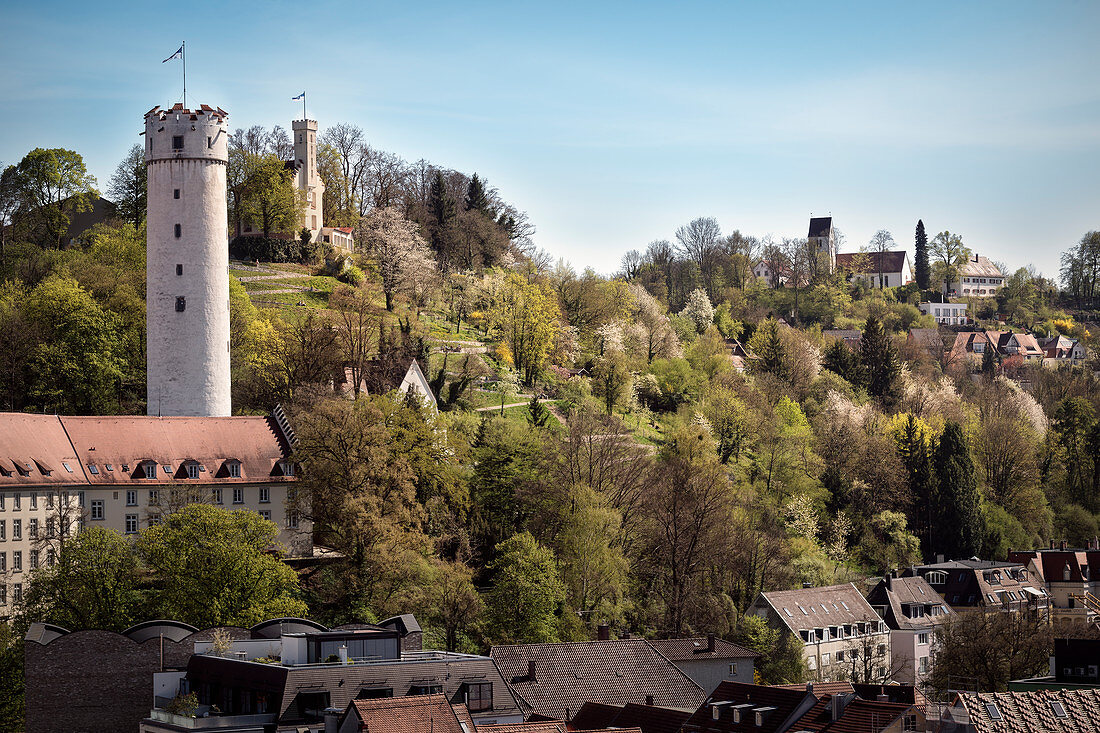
x,y
184,134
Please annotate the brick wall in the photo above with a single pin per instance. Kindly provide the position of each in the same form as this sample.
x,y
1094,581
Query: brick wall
x,y
98,681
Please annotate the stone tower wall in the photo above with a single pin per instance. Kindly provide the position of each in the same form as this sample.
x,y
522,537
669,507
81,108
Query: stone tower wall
x,y
309,178
187,277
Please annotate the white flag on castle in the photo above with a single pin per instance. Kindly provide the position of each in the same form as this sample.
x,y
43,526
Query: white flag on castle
x,y
300,96
177,55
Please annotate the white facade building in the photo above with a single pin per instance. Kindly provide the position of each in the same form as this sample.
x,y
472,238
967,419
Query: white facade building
x,y
952,314
187,293
978,276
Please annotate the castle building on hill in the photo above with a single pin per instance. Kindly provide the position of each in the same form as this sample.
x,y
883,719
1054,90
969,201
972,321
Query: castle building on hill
x,y
307,178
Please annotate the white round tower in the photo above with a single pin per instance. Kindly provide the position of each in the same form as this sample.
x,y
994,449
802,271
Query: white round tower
x,y
187,262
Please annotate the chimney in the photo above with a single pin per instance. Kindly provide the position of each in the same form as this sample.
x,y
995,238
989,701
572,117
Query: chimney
x,y
1065,544
889,580
531,670
603,632
939,558
710,642
1052,543
343,653
809,687
649,700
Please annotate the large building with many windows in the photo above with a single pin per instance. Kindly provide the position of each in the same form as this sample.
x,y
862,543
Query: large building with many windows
x,y
60,473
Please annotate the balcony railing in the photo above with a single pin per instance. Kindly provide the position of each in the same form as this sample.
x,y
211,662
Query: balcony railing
x,y
212,722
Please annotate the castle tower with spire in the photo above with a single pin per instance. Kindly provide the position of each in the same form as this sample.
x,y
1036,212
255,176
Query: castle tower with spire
x,y
187,262
309,179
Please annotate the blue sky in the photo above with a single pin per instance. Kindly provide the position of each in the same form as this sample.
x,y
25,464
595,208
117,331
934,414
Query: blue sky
x,y
614,123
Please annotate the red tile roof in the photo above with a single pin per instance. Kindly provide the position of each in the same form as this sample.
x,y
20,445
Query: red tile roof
x,y
891,261
778,704
1029,711
412,714
34,451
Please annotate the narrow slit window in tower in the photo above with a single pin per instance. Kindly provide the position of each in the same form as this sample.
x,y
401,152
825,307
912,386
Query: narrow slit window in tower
x,y
179,270
209,141
181,304
175,193
179,231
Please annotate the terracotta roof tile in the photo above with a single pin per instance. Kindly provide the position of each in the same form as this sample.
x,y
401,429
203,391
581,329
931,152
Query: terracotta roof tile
x,y
777,703
1030,712
413,714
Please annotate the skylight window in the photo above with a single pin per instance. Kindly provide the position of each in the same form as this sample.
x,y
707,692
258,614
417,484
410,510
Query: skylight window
x,y
93,469
994,713
108,466
67,467
803,610
845,606
824,608
1059,710
788,612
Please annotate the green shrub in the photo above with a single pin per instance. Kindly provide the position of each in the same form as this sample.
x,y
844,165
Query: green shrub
x,y
352,275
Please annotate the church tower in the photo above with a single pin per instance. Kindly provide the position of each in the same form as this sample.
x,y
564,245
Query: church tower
x,y
187,262
309,180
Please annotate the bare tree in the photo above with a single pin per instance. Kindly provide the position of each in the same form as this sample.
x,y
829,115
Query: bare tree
x,y
351,152
357,322
699,242
631,263
881,243
404,259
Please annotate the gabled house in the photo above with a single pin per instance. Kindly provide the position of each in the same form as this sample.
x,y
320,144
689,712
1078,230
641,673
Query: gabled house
x,y
1066,574
555,680
772,273
842,637
413,714
978,276
708,660
644,718
739,707
1059,350
877,269
985,585
1008,348
912,610
851,337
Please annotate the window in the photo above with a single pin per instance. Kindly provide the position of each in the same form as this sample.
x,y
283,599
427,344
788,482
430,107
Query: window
x,y
16,497
733,668
265,495
922,665
34,500
209,141
217,495
181,304
51,557
292,520
3,562
153,496
17,592
34,559
825,659
179,231
3,529
812,663
131,524
479,696
910,724
2,502
150,470
179,270
371,693
131,498
192,470
17,529
922,638
994,713
288,468
839,657
32,528
175,193
265,514
97,508
238,496
3,594
177,142
234,469
426,689
17,562
93,469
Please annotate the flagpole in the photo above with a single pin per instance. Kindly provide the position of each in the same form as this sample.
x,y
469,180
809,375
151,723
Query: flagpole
x,y
303,105
183,57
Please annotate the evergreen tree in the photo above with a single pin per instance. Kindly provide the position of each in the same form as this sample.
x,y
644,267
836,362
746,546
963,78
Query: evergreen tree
x,y
476,200
957,521
442,212
539,415
880,359
767,345
845,362
923,269
912,438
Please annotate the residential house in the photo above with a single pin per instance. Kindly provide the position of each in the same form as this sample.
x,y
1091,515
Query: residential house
x,y
841,712
1059,350
978,276
555,680
61,473
292,677
877,269
1041,711
912,610
432,713
414,382
709,660
339,237
739,355
1008,348
771,272
1066,575
925,341
842,636
985,585
949,314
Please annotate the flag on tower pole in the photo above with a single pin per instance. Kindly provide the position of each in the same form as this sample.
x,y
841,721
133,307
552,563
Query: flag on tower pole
x,y
302,97
181,54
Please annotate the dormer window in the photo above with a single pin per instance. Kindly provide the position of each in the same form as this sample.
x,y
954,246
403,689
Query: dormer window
x,y
287,467
149,469
233,468
192,470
